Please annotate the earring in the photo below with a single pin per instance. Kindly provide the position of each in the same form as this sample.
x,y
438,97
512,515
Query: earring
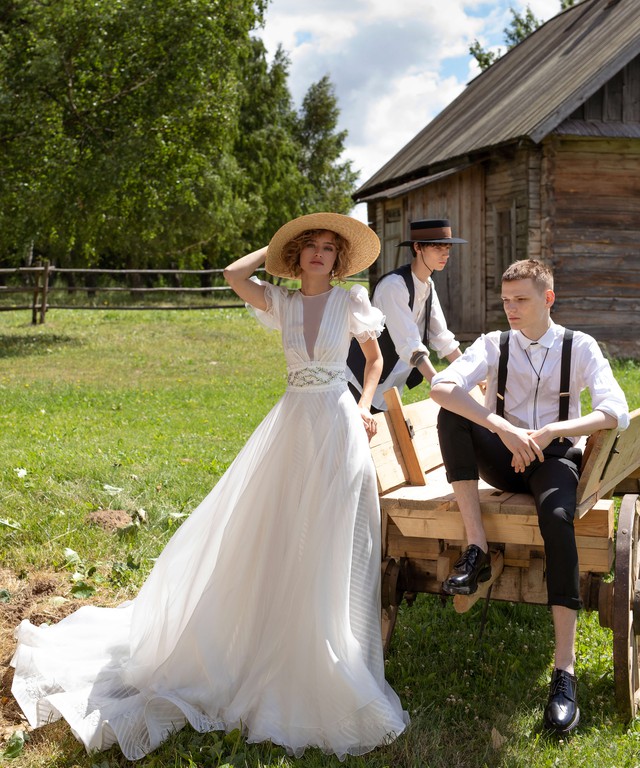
x,y
333,273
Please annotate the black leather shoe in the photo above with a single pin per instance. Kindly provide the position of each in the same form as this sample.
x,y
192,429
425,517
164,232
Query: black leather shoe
x,y
473,566
561,713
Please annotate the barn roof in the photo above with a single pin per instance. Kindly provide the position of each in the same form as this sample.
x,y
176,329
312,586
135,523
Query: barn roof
x,y
526,93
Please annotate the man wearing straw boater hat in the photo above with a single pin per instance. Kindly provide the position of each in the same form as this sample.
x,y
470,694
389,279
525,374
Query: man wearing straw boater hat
x,y
414,317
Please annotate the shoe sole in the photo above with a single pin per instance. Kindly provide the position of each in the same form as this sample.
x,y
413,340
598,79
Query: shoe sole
x,y
482,577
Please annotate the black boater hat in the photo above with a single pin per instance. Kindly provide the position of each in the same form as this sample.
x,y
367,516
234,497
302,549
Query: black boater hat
x,y
431,231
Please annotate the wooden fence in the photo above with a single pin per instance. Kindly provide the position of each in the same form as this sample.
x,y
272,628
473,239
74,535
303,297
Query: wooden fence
x,y
38,284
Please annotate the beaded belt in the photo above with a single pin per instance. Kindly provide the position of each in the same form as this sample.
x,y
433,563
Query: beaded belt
x,y
314,376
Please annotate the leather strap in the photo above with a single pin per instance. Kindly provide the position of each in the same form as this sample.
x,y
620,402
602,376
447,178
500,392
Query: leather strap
x,y
502,372
565,375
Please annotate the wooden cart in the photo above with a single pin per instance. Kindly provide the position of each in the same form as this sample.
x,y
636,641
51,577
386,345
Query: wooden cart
x,y
423,534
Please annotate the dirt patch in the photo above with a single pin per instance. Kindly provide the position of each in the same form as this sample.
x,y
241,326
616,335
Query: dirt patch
x,y
110,519
42,597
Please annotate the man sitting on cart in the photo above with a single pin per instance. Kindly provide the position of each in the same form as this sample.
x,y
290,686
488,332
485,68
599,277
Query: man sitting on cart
x,y
522,441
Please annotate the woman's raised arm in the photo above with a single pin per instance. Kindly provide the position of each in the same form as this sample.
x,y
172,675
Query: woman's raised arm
x,y
238,275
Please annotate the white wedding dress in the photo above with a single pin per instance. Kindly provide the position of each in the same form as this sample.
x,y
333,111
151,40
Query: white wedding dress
x,y
262,612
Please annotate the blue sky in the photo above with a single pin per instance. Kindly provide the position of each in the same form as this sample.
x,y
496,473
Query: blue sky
x,y
394,63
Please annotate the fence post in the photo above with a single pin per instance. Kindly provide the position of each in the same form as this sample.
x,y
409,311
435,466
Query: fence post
x,y
45,291
36,291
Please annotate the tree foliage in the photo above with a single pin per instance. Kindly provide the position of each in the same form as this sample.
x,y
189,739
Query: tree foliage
x,y
115,122
329,181
520,27
266,148
137,133
291,161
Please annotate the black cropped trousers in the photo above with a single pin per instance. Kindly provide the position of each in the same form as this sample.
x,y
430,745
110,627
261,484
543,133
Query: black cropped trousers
x,y
471,452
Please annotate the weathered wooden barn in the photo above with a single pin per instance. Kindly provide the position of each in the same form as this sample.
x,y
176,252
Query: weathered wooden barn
x,y
539,157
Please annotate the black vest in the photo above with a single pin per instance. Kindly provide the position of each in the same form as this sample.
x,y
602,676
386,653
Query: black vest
x,y
356,359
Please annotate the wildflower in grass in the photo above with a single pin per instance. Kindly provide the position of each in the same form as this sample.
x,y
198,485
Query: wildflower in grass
x,y
20,471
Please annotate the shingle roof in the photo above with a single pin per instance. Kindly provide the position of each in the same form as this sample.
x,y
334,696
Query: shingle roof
x,y
528,92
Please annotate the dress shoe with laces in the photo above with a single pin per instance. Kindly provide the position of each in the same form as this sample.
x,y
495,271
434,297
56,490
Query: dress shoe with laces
x,y
473,566
561,714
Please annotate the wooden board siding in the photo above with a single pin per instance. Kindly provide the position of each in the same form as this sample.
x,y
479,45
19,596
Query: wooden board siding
x,y
617,101
512,200
594,209
375,217
534,202
460,199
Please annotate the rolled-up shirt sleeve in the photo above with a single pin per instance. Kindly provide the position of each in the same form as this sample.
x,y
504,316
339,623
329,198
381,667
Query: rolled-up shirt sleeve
x,y
440,337
472,367
606,394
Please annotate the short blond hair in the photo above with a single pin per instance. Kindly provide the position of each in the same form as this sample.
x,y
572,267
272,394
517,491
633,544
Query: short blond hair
x,y
291,251
530,269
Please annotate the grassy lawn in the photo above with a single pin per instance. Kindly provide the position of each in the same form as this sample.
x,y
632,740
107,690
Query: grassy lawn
x,y
119,416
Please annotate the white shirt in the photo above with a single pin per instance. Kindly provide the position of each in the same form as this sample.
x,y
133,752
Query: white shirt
x,y
530,403
406,328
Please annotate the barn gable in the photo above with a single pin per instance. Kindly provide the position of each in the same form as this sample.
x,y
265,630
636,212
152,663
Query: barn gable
x,y
539,157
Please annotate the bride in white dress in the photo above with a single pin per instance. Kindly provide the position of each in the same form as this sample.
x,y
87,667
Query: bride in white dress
x,y
262,612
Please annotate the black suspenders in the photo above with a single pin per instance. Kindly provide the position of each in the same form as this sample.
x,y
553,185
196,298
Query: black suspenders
x,y
565,373
502,372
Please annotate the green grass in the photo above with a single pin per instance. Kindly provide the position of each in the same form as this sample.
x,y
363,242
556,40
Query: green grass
x,y
157,404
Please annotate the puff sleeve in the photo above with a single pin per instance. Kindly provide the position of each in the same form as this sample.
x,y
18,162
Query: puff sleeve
x,y
365,321
275,296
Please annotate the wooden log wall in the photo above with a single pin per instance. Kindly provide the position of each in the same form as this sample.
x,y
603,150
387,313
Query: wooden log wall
x,y
593,211
513,212
459,198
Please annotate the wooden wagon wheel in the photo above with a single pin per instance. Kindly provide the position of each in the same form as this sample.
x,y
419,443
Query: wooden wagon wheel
x,y
392,591
626,609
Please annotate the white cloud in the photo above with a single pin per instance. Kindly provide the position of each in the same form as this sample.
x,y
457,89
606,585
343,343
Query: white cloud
x,y
398,115
394,65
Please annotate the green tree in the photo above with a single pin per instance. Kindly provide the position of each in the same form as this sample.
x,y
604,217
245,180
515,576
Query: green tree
x,y
117,118
520,27
291,162
330,181
484,57
266,148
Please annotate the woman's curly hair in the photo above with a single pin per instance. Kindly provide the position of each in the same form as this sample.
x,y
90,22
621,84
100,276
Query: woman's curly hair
x,y
291,252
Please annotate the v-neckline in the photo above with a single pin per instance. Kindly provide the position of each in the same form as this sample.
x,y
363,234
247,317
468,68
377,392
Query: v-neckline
x,y
321,323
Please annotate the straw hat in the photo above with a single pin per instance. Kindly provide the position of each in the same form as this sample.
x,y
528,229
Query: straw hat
x,y
365,245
